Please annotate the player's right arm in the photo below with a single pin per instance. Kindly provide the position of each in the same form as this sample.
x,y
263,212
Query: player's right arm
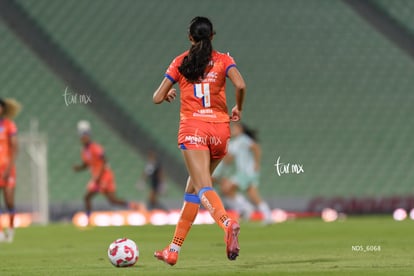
x,y
165,92
240,87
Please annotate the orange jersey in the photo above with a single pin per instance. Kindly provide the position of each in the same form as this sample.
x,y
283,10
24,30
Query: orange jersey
x,y
94,156
7,130
205,100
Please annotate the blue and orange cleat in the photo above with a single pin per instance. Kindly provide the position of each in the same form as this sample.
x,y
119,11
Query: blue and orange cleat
x,y
167,256
232,240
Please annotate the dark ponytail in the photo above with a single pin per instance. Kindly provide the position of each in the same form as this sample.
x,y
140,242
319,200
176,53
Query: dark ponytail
x,y
2,103
252,133
199,55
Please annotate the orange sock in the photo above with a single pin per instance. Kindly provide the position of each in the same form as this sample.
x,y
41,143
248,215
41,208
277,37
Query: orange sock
x,y
188,214
212,202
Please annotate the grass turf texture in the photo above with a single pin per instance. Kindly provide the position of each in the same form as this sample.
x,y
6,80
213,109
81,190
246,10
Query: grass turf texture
x,y
306,247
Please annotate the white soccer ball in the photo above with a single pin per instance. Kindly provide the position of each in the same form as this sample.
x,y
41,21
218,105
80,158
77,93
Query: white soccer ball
x,y
123,252
399,214
84,127
329,215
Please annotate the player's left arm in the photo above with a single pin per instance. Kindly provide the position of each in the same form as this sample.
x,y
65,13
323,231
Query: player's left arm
x,y
165,92
257,153
14,146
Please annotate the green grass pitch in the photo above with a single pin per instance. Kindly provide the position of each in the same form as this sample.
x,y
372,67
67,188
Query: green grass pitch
x,y
356,246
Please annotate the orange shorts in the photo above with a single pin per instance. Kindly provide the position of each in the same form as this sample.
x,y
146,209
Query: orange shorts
x,y
201,135
106,185
11,181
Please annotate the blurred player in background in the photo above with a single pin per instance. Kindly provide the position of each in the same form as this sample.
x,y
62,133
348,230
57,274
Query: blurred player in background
x,y
233,199
153,176
9,108
204,130
102,181
246,153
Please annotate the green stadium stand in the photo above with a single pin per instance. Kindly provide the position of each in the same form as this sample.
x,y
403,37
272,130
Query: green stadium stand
x,y
325,89
400,10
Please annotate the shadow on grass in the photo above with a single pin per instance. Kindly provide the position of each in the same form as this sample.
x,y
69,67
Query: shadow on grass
x,y
305,261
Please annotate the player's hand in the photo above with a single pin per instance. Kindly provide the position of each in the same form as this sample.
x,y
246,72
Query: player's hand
x,y
171,95
95,188
235,114
76,168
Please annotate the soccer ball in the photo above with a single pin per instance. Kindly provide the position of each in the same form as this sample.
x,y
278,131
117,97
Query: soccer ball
x,y
84,127
123,252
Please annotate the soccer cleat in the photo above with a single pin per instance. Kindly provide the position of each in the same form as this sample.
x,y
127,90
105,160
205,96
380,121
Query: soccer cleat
x,y
267,221
232,240
169,257
2,236
136,206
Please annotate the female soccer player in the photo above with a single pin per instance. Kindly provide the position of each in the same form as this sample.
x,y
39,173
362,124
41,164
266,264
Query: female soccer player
x,y
153,175
232,198
204,130
9,108
102,181
246,153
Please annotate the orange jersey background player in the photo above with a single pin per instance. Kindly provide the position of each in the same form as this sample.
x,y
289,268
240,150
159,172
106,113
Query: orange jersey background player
x,y
8,137
102,178
9,108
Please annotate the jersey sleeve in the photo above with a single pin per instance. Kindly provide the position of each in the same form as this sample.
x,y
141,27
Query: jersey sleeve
x,y
242,141
228,62
172,72
247,141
